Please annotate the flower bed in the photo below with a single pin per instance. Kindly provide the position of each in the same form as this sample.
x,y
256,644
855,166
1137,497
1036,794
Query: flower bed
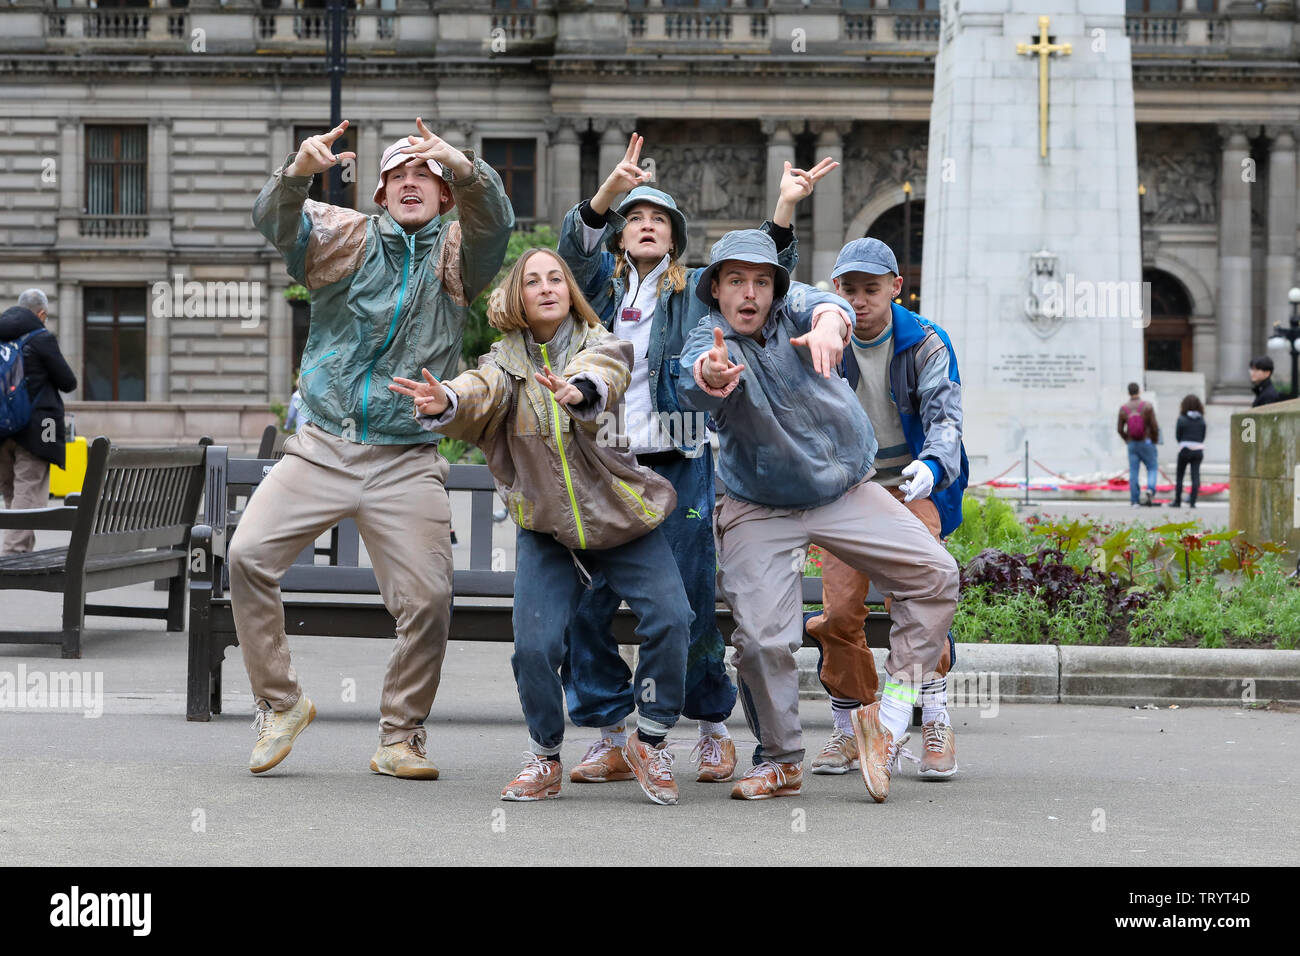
x,y
1086,582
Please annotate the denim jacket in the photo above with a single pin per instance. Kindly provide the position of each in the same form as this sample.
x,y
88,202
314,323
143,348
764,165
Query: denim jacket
x,y
673,317
788,437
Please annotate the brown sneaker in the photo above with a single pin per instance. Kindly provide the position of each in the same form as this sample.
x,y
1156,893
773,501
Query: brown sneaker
x,y
840,755
539,780
769,779
939,758
716,756
878,751
653,768
602,763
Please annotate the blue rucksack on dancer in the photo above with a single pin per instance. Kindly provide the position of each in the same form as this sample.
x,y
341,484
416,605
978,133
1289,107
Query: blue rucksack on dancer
x,y
15,401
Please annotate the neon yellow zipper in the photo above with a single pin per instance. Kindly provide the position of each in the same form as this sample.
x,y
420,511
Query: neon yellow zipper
x,y
564,462
639,500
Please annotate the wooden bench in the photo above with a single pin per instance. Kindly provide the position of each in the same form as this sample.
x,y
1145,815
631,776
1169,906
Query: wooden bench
x,y
476,616
131,523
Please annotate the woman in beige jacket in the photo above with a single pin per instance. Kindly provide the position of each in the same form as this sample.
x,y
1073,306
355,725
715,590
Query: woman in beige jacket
x,y
581,502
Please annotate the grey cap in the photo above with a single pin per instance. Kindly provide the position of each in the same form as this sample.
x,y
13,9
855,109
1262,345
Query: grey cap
x,y
664,201
743,245
865,255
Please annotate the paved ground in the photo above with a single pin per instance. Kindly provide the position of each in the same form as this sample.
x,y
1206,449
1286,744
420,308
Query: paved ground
x,y
1048,784
1039,784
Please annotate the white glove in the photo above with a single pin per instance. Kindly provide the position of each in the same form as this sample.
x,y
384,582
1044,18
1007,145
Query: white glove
x,y
920,481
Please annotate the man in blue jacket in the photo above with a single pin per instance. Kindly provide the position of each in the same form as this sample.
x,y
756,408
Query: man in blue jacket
x,y
795,455
903,370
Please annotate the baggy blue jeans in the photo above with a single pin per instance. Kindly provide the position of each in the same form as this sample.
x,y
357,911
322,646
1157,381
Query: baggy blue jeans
x,y
1141,453
597,682
547,593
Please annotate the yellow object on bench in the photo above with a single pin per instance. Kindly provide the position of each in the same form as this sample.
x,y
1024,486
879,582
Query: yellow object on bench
x,y
69,479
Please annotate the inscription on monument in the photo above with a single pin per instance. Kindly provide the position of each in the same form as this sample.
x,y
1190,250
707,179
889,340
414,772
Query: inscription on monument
x,y
1031,370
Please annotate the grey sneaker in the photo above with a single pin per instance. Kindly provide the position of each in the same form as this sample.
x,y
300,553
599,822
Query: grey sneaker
x,y
276,732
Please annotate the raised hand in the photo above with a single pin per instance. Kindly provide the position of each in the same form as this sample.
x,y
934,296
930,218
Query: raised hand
x,y
718,371
565,393
315,154
796,185
626,176
429,396
434,147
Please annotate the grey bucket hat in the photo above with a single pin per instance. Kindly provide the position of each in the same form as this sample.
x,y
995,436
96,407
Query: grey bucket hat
x,y
664,201
745,245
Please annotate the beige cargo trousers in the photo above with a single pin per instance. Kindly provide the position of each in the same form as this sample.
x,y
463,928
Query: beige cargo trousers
x,y
395,493
761,554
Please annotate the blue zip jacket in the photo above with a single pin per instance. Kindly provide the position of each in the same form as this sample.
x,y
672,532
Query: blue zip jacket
x,y
926,388
788,437
675,314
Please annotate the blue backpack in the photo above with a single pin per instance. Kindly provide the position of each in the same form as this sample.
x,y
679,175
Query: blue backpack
x,y
15,402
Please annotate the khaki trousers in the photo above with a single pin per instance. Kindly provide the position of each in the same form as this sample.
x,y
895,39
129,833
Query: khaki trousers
x,y
761,559
396,496
24,483
848,667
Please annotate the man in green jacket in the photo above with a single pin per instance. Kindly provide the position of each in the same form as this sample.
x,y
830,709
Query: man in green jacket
x,y
390,294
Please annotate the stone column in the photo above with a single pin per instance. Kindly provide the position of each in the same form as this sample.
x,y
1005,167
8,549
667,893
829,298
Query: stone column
x,y
780,149
1234,307
565,160
828,201
71,328
369,149
1280,274
614,134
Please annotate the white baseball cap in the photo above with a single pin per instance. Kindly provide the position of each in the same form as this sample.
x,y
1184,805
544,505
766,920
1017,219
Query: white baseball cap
x,y
394,157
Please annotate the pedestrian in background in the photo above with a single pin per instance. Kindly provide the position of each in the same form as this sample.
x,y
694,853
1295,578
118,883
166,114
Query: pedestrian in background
x,y
1261,382
1190,435
26,455
1138,427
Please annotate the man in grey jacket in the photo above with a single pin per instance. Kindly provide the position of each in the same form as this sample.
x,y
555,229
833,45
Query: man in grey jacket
x,y
796,453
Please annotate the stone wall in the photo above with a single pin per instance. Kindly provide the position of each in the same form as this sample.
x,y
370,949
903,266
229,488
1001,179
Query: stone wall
x,y
1264,468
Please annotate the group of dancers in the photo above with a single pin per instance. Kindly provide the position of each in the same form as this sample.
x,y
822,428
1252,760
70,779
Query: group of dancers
x,y
838,423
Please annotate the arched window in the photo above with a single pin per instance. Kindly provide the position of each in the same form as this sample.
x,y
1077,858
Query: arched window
x,y
1168,339
888,228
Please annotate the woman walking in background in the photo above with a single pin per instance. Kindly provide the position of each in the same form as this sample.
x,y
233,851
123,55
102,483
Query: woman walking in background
x,y
1190,435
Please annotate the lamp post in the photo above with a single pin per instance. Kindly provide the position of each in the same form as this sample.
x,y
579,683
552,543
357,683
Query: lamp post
x,y
336,62
1289,334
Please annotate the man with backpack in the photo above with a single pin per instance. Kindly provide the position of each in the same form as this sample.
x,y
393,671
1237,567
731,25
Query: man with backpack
x,y
32,373
1138,427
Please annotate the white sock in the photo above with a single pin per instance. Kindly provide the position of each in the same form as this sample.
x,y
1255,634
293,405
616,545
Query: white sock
x,y
934,701
896,705
617,734
843,717
707,727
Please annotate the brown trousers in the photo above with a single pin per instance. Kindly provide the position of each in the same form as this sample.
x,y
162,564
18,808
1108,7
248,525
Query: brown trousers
x,y
848,667
396,496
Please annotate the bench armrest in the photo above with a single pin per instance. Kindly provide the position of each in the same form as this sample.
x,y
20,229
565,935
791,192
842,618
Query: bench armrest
x,y
39,519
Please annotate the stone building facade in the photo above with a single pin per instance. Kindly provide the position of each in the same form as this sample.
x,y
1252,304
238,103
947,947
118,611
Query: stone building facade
x,y
133,139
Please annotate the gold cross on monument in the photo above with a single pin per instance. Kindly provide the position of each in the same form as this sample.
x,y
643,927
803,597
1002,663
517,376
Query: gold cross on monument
x,y
1042,49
